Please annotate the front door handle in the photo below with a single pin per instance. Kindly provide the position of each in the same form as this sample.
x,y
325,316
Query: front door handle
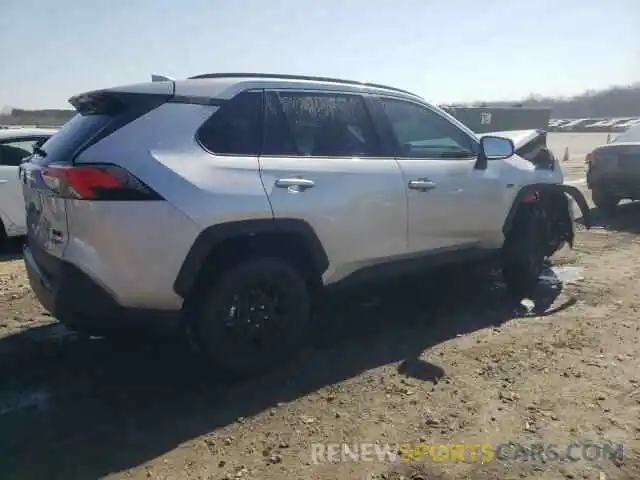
x,y
295,184
422,184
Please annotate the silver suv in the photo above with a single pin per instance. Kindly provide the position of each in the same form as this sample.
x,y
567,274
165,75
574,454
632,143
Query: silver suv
x,y
224,202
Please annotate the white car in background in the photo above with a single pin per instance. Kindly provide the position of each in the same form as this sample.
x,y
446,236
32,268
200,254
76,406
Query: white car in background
x,y
16,144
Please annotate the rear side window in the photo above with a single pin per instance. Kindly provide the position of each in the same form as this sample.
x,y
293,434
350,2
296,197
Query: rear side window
x,y
61,146
319,125
422,133
236,127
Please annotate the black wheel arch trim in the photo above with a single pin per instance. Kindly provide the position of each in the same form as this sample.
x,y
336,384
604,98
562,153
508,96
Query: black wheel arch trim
x,y
212,236
572,191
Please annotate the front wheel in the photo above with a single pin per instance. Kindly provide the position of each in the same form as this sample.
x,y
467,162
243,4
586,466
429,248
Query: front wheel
x,y
524,251
253,317
607,201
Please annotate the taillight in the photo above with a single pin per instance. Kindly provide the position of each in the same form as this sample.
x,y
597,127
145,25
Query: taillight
x,y
96,182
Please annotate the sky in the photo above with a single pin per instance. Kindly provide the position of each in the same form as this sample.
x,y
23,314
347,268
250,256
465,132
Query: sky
x,y
444,50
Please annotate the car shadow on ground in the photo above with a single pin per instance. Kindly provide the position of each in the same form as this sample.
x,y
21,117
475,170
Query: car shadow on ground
x,y
11,249
85,409
623,218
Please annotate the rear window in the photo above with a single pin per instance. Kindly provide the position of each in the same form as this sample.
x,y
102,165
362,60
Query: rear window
x,y
99,114
61,147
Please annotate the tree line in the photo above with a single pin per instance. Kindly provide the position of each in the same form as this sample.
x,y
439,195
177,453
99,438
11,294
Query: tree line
x,y
619,101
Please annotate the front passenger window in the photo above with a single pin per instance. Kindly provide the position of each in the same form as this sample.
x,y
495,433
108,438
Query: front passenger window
x,y
421,133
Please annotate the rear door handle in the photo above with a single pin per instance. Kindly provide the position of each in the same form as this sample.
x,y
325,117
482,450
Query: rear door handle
x,y
295,184
422,184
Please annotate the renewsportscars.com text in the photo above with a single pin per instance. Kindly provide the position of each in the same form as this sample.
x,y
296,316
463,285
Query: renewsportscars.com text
x,y
467,453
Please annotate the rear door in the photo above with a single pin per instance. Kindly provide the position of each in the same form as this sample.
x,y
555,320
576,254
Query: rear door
x,y
322,162
12,154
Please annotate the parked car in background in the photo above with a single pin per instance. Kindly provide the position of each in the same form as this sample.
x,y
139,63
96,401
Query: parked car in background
x,y
613,170
16,144
225,203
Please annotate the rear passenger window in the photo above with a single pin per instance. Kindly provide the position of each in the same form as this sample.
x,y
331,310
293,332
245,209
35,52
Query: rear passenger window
x,y
318,125
236,127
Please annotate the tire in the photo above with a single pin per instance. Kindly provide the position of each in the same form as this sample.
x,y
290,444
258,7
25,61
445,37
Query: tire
x,y
524,251
604,200
241,349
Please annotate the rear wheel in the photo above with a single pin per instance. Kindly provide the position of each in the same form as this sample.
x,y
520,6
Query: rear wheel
x,y
253,317
607,201
524,251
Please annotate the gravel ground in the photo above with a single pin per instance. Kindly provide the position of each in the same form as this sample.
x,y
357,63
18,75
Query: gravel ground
x,y
441,359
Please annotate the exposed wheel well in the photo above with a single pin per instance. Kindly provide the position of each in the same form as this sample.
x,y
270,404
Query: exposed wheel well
x,y
552,198
289,246
553,203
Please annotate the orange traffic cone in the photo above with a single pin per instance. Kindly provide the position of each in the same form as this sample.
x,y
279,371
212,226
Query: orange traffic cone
x,y
565,157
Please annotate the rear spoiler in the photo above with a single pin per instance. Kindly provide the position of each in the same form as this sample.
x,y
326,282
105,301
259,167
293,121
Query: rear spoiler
x,y
111,101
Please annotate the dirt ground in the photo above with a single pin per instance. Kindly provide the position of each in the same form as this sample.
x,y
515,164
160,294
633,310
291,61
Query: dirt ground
x,y
441,359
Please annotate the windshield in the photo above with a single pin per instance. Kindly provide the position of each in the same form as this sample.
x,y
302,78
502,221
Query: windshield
x,y
631,135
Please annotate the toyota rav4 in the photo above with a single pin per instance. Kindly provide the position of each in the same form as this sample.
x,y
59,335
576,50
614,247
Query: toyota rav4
x,y
224,203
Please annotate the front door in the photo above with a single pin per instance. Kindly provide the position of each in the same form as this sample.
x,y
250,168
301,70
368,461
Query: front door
x,y
451,205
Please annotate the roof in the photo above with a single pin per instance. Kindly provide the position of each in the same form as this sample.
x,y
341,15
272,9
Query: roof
x,y
17,133
281,76
227,85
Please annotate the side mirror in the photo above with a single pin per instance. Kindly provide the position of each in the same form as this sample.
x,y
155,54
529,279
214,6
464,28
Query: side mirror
x,y
494,148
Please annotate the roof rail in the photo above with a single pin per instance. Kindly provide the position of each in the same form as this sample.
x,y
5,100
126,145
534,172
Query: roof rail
x,y
300,77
